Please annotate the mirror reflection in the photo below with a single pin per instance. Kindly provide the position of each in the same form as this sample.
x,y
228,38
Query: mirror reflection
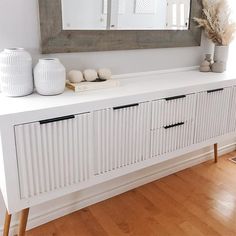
x,y
125,14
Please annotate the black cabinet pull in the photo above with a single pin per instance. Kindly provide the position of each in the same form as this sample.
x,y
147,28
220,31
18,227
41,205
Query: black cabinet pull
x,y
174,125
174,98
56,119
125,106
215,90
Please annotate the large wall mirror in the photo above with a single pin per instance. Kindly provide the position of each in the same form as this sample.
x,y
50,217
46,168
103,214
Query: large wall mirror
x,y
99,25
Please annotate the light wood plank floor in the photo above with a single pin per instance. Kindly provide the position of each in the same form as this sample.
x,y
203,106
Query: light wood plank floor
x,y
197,201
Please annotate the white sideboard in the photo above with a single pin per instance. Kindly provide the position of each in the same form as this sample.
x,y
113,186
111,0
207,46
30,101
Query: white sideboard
x,y
53,146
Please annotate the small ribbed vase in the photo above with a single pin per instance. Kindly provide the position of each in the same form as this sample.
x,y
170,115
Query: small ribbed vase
x,y
16,72
49,77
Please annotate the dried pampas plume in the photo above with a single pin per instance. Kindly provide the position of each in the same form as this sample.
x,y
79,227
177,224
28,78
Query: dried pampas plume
x,y
216,21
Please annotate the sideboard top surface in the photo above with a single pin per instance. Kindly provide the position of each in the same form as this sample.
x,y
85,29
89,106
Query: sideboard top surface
x,y
137,89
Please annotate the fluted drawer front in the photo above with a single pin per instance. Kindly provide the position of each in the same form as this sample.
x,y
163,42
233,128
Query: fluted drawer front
x,y
232,112
171,138
173,110
53,154
212,113
122,137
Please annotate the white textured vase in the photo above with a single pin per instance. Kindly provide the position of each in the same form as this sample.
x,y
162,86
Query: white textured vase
x,y
221,55
16,72
49,77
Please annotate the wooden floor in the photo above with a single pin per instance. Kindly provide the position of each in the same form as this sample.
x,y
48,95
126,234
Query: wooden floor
x,y
197,201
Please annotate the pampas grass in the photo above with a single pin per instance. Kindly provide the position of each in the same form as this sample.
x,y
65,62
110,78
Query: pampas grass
x,y
216,21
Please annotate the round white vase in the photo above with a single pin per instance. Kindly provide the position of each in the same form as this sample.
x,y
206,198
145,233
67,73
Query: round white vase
x,y
16,72
49,77
221,55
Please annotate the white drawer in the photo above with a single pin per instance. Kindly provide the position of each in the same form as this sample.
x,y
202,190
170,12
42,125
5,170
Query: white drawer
x,y
212,113
53,154
173,110
171,138
122,137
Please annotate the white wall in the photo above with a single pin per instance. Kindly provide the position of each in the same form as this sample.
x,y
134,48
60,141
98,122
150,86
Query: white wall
x,y
19,27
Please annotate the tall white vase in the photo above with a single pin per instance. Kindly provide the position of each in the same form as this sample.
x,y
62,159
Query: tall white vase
x,y
49,76
16,72
221,55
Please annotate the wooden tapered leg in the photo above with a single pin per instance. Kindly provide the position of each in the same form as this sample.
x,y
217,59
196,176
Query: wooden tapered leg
x,y
7,224
216,152
23,222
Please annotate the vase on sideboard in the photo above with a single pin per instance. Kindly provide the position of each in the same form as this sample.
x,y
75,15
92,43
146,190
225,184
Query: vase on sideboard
x,y
16,72
49,77
221,57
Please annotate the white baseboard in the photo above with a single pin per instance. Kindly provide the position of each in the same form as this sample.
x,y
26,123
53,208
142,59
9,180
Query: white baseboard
x,y
113,190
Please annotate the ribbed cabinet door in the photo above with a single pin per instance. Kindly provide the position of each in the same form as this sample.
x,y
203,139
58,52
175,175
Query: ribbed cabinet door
x,y
122,137
212,114
172,126
53,155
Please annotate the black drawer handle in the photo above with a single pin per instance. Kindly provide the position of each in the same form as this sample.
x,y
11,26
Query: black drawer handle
x,y
56,119
171,126
126,106
174,98
215,90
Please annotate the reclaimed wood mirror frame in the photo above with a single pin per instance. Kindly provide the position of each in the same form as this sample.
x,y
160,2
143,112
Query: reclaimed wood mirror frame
x,y
56,40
